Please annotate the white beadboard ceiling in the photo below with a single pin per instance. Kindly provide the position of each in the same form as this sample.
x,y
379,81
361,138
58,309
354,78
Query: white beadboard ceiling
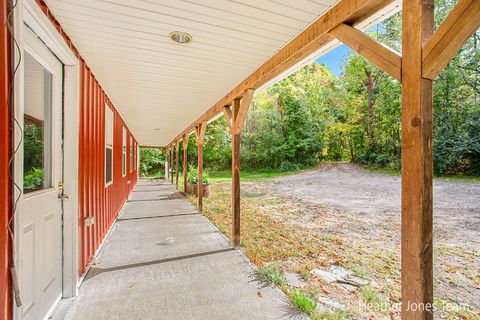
x,y
160,87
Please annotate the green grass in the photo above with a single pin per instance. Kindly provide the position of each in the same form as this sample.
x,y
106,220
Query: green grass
x,y
332,315
246,175
460,178
271,275
375,298
303,302
249,175
260,174
158,176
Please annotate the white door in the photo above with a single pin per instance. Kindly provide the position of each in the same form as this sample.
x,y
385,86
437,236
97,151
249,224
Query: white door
x,y
39,226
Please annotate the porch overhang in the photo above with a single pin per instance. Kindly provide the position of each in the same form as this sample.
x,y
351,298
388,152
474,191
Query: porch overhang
x,y
163,89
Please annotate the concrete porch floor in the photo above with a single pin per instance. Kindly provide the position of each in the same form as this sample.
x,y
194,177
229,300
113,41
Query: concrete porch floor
x,y
165,260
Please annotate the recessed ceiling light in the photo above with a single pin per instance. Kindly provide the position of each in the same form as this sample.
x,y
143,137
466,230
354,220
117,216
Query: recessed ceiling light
x,y
180,37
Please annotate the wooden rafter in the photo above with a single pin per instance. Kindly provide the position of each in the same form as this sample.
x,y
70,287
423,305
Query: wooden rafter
x,y
236,118
450,37
200,130
381,56
227,113
241,115
306,43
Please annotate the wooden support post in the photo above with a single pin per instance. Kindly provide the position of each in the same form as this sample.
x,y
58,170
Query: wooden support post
x,y
235,120
235,176
176,162
167,163
416,229
200,132
171,161
185,162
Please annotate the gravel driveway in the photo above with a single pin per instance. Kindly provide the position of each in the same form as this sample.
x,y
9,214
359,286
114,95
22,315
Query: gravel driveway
x,y
364,207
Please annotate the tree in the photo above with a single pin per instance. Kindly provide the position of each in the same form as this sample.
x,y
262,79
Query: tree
x,y
152,162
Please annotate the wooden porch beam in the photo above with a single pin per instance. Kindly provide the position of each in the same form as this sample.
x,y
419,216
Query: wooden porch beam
x,y
200,132
177,161
185,162
241,114
417,129
306,43
227,113
378,54
450,37
236,117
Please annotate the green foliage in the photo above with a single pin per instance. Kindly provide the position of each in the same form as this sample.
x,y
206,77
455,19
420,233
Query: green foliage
x,y
271,275
250,175
456,99
33,157
152,162
312,116
303,302
282,128
192,176
33,180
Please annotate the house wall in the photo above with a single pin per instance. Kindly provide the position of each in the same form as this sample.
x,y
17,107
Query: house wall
x,y
95,200
5,187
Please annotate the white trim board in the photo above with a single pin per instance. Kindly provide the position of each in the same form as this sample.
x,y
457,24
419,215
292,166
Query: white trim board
x,y
28,13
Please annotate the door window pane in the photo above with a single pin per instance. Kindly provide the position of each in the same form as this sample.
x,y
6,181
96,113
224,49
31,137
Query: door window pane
x,y
37,144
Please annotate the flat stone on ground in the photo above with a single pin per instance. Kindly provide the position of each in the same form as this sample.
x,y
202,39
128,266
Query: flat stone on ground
x,y
330,303
294,279
326,276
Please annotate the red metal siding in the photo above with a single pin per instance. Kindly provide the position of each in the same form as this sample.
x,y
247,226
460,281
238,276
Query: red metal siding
x,y
5,186
95,200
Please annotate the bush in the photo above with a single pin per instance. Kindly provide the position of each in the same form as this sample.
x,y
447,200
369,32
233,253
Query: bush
x,y
152,162
192,176
33,180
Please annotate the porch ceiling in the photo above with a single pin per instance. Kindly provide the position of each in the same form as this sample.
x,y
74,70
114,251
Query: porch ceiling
x,y
156,83
161,87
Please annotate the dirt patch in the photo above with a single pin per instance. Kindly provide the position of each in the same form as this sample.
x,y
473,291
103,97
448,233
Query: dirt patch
x,y
344,215
364,208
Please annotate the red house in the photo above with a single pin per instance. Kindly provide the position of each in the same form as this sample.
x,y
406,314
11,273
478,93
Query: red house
x,y
69,154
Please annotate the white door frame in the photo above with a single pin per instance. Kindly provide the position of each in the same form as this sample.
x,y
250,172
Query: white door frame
x,y
29,13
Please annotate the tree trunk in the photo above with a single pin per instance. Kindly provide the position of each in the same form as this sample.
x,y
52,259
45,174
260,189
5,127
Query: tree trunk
x,y
371,107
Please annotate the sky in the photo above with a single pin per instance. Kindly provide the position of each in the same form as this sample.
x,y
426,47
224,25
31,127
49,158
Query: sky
x,y
335,58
